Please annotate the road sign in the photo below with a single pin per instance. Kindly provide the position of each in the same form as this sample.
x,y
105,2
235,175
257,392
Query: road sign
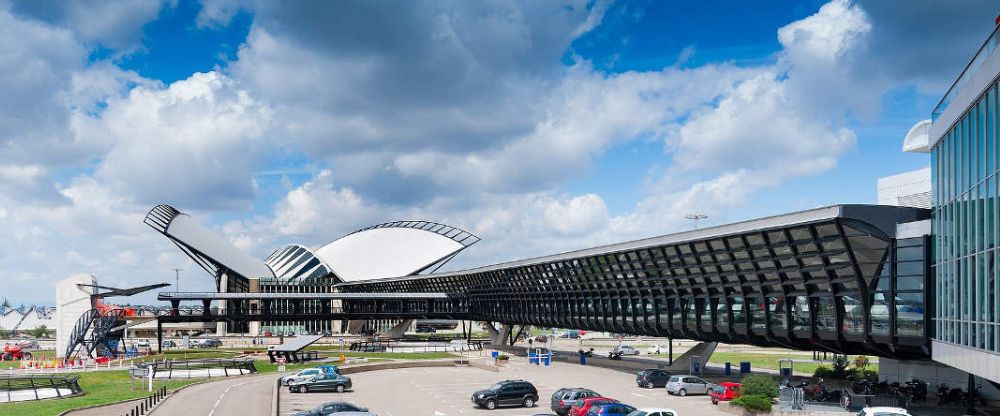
x,y
281,364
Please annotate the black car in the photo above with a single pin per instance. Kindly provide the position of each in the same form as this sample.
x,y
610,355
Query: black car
x,y
652,377
331,408
566,397
506,393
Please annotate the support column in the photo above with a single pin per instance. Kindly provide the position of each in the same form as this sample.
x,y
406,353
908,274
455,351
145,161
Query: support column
x,y
159,337
499,337
971,410
670,351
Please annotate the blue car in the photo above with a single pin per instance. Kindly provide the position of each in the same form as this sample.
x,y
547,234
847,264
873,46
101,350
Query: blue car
x,y
610,409
329,369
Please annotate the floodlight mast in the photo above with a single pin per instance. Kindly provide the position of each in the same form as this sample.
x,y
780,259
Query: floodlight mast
x,y
177,279
695,217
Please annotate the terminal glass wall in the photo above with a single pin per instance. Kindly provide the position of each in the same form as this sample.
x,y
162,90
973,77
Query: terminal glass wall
x,y
965,164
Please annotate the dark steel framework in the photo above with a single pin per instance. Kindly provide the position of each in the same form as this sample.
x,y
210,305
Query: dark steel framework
x,y
809,283
63,385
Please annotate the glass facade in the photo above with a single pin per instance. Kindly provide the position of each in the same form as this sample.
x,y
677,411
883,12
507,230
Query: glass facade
x,y
965,164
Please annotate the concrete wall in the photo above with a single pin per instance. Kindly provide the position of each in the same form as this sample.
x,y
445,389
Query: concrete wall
x,y
981,363
71,302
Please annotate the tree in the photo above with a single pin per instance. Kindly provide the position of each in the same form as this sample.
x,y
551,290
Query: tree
x,y
840,363
39,332
5,305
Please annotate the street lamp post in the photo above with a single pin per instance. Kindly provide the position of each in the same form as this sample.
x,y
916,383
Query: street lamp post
x,y
177,279
695,217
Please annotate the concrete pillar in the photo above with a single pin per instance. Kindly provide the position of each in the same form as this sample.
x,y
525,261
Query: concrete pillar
x,y
499,337
220,327
400,329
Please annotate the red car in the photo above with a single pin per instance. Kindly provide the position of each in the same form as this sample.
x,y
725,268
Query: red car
x,y
583,406
725,391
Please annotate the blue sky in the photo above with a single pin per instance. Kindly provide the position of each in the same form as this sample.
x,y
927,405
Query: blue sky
x,y
539,126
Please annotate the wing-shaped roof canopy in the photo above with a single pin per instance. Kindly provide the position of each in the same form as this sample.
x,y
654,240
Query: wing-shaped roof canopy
x,y
400,248
296,263
212,252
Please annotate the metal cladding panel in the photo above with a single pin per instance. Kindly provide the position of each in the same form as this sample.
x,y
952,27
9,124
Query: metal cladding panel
x,y
386,252
186,230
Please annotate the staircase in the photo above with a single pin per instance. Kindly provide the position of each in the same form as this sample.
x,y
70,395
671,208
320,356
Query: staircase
x,y
80,331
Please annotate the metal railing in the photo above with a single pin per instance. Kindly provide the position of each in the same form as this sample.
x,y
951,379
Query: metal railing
x,y
147,403
38,387
855,402
395,346
967,73
200,368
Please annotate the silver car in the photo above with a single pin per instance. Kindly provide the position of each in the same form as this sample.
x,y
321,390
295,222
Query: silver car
x,y
685,385
303,375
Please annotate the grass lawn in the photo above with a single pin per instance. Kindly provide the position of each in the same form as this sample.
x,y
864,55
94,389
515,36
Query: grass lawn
x,y
770,361
100,387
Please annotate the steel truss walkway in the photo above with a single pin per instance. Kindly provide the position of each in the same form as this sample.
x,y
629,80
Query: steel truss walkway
x,y
851,279
834,278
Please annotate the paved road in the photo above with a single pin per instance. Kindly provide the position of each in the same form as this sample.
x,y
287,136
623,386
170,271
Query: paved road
x,y
237,396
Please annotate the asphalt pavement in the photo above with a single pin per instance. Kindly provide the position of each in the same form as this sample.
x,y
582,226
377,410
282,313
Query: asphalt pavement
x,y
236,396
447,391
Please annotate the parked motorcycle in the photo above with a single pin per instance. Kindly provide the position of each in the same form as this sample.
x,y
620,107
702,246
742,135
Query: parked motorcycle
x,y
864,387
946,395
915,389
615,355
819,393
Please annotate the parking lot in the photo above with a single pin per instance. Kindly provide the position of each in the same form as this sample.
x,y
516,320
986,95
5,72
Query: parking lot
x,y
443,391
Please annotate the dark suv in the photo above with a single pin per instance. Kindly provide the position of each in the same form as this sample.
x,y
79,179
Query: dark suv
x,y
506,393
566,397
652,377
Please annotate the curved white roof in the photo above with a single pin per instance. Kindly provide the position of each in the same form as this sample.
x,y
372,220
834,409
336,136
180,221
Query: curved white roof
x,y
918,138
394,249
204,246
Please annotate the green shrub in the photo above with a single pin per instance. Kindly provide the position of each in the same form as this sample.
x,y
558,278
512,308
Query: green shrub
x,y
503,357
753,403
759,385
823,372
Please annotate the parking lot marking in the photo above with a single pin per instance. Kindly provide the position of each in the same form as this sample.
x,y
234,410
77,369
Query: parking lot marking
x,y
640,395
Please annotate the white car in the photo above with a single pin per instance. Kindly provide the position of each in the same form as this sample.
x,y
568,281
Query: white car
x,y
883,411
143,343
654,411
656,349
302,375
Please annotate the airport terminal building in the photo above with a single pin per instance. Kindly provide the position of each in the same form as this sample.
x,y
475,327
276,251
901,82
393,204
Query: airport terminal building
x,y
964,143
912,278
